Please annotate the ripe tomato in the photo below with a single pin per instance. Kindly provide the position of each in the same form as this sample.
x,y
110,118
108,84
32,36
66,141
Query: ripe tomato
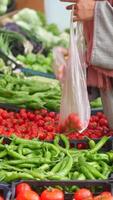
x,y
21,187
106,194
52,194
102,197
1,198
28,195
83,194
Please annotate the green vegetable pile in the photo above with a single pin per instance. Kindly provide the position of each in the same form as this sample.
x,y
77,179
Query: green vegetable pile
x,y
3,6
37,62
33,159
97,103
33,93
49,35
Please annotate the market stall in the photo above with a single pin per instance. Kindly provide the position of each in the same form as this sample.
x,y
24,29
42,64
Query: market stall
x,y
40,157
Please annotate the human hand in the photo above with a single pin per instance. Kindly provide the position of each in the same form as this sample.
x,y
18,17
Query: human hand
x,y
83,9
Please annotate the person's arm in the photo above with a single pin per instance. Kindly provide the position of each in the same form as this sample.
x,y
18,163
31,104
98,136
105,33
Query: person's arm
x,y
102,50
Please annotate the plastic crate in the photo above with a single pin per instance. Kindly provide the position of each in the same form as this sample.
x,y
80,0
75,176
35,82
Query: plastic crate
x,y
39,186
30,72
5,191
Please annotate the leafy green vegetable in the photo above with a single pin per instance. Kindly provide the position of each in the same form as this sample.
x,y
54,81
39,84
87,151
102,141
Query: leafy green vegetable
x,y
27,18
3,6
97,103
49,35
53,28
37,62
42,18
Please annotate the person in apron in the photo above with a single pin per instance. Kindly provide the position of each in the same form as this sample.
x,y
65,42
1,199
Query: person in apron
x,y
97,18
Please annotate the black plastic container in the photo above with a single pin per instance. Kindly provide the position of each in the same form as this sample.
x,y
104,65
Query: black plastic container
x,y
95,186
5,191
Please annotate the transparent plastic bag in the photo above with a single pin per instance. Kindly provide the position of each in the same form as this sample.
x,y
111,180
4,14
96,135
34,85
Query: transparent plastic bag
x,y
74,88
60,61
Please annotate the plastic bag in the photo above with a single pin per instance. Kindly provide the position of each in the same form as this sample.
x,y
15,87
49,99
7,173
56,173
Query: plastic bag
x,y
60,61
74,88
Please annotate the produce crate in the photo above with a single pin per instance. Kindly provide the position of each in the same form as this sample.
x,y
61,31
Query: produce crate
x,y
30,72
26,71
95,110
5,191
95,186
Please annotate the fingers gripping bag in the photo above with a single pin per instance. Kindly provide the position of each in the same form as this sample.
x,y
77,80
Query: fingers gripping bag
x,y
75,107
60,57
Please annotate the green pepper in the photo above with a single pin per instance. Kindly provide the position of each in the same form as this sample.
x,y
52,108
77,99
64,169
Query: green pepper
x,y
99,145
65,141
87,173
95,172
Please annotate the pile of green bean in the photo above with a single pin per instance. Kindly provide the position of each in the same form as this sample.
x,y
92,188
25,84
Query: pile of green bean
x,y
38,160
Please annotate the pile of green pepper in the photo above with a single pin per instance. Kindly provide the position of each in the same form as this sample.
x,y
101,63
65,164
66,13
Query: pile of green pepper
x,y
38,160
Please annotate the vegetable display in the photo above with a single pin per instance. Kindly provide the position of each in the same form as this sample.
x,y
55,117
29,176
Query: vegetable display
x,y
33,159
85,194
58,194
52,194
44,125
34,93
37,62
38,124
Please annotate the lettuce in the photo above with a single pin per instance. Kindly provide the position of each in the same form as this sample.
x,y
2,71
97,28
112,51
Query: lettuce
x,y
27,18
3,6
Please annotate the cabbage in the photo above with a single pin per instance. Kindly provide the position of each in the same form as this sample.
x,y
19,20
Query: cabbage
x,y
46,37
27,18
3,6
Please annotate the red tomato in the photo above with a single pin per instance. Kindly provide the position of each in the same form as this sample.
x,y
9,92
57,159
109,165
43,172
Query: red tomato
x,y
52,194
1,198
108,194
28,195
83,194
102,197
21,187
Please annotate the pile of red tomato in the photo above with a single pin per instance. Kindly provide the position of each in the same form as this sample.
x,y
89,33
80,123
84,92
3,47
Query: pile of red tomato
x,y
44,125
38,124
25,192
97,128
